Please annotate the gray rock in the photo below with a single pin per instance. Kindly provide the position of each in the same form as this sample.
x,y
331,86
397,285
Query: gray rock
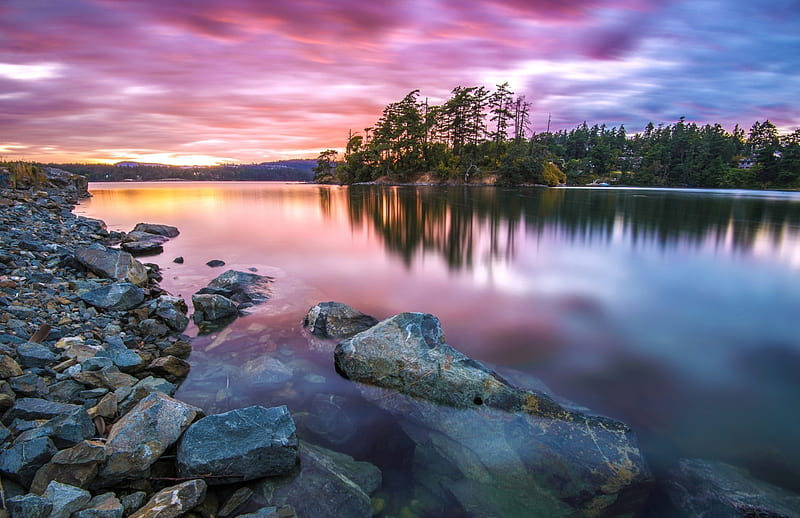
x,y
173,501
264,512
329,420
66,499
120,355
235,501
169,367
136,235
266,372
120,296
64,391
35,355
9,368
215,263
158,229
28,385
77,466
140,248
108,377
532,456
172,311
133,501
700,487
244,444
22,460
29,506
336,320
319,487
210,307
153,327
106,505
112,264
65,430
30,409
241,287
142,435
144,388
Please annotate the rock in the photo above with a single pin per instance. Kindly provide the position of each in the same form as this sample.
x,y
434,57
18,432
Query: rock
x,y
22,460
9,367
28,385
120,296
112,264
133,501
140,248
532,456
172,311
241,287
144,388
264,512
35,355
107,377
173,501
336,320
213,308
179,349
236,500
66,499
106,505
154,228
76,466
169,367
266,372
142,435
700,487
30,409
106,407
120,355
29,506
319,487
152,327
65,430
178,260
243,444
329,420
215,263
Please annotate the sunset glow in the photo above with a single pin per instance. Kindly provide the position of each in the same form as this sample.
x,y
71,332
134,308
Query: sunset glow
x,y
206,81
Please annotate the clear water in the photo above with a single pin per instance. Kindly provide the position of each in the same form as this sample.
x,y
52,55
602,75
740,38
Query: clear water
x,y
673,311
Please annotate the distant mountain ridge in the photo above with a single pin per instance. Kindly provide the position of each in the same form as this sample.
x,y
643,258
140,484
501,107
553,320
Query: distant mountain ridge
x,y
294,170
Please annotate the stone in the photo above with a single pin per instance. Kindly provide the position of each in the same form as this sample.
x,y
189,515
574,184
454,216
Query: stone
x,y
266,372
29,506
112,264
336,320
235,501
106,505
264,512
107,377
211,308
65,430
169,367
243,444
172,311
178,260
319,487
28,385
173,501
9,367
142,435
698,487
144,388
106,407
120,355
64,391
30,409
35,355
141,248
153,327
120,296
133,501
158,229
179,349
66,499
22,460
328,419
77,466
550,459
215,263
241,287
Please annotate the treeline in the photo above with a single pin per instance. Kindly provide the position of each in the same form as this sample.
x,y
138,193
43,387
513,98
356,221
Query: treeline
x,y
478,134
288,170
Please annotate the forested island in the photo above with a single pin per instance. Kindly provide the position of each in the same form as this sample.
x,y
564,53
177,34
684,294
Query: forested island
x,y
284,170
484,136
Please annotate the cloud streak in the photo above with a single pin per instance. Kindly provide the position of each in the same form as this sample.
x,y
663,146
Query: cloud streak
x,y
252,81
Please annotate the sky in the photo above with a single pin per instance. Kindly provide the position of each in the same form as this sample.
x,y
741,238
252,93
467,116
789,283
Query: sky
x,y
208,81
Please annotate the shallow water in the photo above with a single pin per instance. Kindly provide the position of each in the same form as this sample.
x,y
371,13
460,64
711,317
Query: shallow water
x,y
674,311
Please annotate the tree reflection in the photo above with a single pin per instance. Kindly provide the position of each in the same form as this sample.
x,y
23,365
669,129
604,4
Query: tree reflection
x,y
469,224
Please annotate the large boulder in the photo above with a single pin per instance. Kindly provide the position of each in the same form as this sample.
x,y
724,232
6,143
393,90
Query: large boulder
x,y
241,287
157,229
243,444
112,264
142,435
325,484
120,296
336,320
531,457
143,247
700,487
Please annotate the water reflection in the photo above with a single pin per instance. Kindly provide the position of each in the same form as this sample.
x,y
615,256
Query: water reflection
x,y
471,225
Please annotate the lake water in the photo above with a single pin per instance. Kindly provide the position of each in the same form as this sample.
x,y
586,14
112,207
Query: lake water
x,y
675,311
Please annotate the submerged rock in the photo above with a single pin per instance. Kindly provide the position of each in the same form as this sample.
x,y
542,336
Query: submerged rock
x,y
496,449
154,228
336,320
243,444
213,311
705,488
144,247
241,287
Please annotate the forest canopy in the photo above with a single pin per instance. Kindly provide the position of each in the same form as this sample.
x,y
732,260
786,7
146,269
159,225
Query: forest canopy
x,y
483,135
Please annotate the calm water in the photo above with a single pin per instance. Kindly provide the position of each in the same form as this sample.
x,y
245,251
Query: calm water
x,y
673,311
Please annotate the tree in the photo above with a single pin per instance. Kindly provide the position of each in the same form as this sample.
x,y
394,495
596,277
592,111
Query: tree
x,y
323,171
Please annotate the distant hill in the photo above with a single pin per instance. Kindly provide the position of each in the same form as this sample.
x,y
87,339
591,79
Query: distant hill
x,y
298,170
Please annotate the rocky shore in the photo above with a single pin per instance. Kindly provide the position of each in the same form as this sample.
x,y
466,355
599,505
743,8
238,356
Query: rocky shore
x,y
92,352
